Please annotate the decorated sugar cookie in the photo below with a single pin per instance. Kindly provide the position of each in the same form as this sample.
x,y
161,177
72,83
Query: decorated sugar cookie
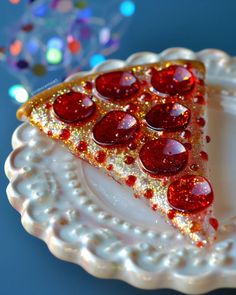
x,y
146,127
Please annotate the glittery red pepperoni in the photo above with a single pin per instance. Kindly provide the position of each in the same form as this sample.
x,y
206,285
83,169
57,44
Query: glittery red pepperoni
x,y
73,107
172,80
190,193
168,117
117,85
115,128
163,157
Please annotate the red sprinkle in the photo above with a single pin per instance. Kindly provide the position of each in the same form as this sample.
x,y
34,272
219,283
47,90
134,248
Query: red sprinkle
x,y
136,196
194,167
214,223
199,244
199,99
186,134
131,108
100,156
48,105
129,160
204,155
148,194
208,139
154,207
201,122
82,146
132,146
110,167
65,134
171,214
188,146
88,85
49,133
130,180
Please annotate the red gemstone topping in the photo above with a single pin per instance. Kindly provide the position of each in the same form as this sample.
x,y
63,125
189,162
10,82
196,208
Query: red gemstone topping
x,y
168,117
190,193
172,80
65,134
163,157
117,85
130,180
73,107
115,128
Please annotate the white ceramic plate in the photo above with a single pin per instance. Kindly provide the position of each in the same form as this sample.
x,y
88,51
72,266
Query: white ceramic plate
x,y
87,218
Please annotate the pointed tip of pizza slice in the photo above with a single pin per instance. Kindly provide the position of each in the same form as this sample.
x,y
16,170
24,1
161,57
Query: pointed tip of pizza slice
x,y
146,127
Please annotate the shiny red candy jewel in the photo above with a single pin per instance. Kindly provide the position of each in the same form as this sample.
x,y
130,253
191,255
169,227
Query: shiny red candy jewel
x,y
172,80
163,157
73,107
115,128
168,117
190,193
117,85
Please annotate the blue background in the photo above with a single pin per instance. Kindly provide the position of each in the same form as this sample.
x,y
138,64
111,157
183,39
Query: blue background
x,y
26,265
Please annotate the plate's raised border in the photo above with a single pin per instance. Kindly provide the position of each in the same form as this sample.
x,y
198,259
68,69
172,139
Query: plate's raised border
x,y
161,270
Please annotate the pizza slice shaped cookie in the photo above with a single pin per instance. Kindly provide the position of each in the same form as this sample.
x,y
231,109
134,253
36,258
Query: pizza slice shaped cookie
x,y
145,126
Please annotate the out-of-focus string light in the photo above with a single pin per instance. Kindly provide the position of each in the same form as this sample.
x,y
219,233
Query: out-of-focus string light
x,y
18,93
127,8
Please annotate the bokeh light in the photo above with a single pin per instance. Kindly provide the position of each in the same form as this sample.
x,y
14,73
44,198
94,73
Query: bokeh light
x,y
55,42
127,8
14,1
54,56
60,37
18,93
96,59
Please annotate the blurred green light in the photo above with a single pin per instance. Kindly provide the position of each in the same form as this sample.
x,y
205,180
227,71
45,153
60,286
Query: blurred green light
x,y
53,56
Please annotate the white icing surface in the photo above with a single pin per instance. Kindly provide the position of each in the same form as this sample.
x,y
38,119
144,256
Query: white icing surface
x,y
87,218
